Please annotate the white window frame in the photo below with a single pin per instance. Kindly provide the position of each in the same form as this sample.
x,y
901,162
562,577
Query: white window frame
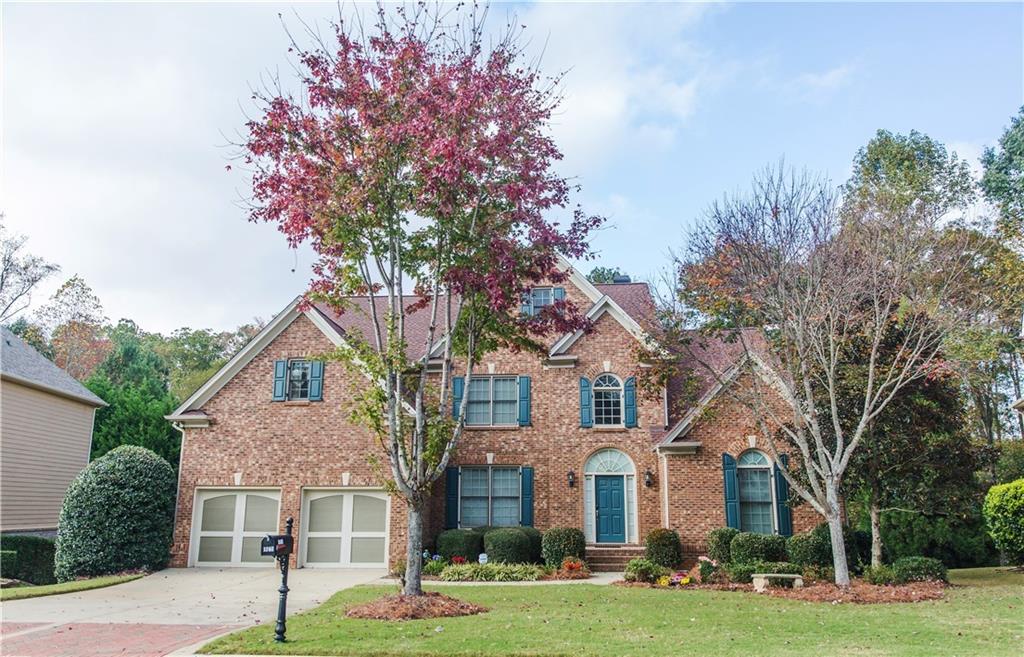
x,y
346,535
490,496
771,485
490,400
622,400
238,531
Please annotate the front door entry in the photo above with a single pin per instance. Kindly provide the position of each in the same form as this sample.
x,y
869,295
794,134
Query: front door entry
x,y
611,508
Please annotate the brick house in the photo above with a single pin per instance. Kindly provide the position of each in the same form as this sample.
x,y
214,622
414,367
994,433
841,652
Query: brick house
x,y
564,440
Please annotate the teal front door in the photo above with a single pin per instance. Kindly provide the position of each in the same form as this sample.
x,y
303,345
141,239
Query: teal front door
x,y
611,509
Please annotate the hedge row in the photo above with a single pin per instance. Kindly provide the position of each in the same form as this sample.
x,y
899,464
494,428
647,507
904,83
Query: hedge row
x,y
502,544
32,559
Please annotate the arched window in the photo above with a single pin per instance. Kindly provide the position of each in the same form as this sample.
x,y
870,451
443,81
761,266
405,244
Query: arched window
x,y
754,479
607,401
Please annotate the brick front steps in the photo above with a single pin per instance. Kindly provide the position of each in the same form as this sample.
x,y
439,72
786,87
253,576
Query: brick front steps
x,y
611,558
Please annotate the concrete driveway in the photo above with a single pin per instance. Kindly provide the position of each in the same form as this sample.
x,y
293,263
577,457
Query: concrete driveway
x,y
164,613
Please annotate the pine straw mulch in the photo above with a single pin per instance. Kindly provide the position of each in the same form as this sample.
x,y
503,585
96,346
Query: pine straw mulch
x,y
860,592
414,607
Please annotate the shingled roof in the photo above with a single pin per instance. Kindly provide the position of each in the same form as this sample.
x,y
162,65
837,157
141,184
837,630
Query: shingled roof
x,y
20,363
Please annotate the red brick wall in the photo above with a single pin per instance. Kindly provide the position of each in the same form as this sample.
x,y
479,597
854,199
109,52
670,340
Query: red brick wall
x,y
285,445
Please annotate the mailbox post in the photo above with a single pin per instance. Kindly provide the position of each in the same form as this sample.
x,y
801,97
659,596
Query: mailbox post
x,y
279,546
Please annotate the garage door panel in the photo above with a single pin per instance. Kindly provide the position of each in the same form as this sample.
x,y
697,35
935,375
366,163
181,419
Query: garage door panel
x,y
219,513
231,525
344,528
215,548
260,514
251,550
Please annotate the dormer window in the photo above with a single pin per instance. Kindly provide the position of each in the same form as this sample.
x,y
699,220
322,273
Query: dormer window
x,y
539,297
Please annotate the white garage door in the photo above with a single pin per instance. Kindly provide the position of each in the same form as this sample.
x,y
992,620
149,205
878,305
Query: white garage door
x,y
229,525
345,528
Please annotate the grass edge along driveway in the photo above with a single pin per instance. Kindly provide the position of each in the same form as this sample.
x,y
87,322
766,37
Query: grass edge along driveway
x,y
24,592
981,616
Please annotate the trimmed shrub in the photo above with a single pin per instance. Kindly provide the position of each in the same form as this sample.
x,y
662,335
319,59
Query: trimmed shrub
x,y
819,574
8,557
561,542
1004,514
118,515
492,572
644,570
434,568
464,543
740,573
507,545
536,539
718,543
879,575
32,561
778,568
809,549
663,548
919,569
748,547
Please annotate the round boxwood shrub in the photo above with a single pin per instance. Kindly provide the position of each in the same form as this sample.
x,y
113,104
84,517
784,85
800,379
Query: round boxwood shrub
x,y
748,547
463,543
644,570
561,542
718,543
507,545
810,549
536,542
662,547
32,561
1004,515
880,575
118,515
919,569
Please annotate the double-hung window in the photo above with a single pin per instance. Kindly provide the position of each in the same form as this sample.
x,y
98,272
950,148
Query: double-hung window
x,y
607,401
539,298
298,379
754,480
489,496
492,401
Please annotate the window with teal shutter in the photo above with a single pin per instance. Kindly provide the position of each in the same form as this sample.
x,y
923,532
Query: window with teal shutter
x,y
524,401
783,512
526,497
458,387
629,402
586,404
316,380
732,497
280,380
451,497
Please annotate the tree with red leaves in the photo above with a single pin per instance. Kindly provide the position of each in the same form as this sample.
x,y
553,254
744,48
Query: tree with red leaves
x,y
417,154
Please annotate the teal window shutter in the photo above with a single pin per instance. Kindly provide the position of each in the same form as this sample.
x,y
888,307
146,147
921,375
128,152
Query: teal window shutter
x,y
629,401
526,496
586,404
524,401
732,492
316,380
280,379
783,512
451,497
558,294
458,386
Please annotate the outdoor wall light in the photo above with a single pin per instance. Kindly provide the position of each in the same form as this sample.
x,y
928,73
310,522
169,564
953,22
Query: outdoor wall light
x,y
648,478
572,478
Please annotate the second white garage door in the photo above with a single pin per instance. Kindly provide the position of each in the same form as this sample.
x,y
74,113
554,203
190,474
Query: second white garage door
x,y
344,527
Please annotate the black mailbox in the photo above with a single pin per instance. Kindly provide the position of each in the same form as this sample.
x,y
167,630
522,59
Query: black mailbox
x,y
276,545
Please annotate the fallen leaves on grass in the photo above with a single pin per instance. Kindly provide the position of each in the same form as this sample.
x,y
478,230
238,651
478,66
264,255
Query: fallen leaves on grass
x,y
860,592
414,607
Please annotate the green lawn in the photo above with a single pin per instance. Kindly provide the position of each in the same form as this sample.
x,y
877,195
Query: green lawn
x,y
22,592
984,615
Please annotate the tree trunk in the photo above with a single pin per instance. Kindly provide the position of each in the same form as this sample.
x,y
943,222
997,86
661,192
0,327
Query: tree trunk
x,y
876,532
414,549
835,530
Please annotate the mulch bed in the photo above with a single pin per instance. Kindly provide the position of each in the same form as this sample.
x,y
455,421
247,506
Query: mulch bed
x,y
414,607
859,592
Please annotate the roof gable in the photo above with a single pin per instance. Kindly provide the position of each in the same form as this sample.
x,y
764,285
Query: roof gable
x,y
21,363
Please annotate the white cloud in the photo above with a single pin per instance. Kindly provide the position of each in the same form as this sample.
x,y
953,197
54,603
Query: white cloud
x,y
822,85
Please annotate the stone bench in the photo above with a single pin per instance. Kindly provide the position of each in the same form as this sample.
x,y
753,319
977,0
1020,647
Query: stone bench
x,y
761,580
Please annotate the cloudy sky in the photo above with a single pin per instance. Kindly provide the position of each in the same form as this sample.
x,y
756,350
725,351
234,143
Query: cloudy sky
x,y
116,116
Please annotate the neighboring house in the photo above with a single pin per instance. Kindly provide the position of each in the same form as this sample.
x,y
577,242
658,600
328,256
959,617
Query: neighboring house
x,y
1019,405
46,420
566,440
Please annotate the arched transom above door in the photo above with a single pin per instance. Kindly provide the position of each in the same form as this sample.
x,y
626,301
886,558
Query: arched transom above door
x,y
609,461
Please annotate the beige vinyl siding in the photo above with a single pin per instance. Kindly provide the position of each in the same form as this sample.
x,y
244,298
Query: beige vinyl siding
x,y
44,442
